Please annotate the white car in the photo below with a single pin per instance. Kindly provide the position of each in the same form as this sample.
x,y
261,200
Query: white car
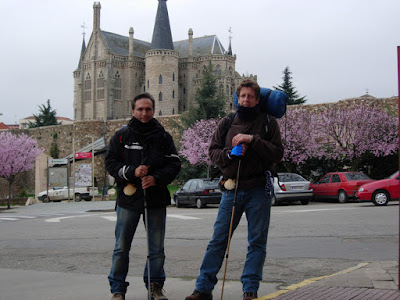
x,y
61,193
291,187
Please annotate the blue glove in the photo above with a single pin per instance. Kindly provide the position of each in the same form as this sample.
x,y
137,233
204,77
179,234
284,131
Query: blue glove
x,y
237,150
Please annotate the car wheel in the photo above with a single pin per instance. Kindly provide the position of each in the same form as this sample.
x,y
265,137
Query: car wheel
x,y
273,200
380,198
304,201
177,203
45,199
78,197
342,196
199,203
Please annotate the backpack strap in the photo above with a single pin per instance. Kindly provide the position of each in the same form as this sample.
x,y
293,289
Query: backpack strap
x,y
226,125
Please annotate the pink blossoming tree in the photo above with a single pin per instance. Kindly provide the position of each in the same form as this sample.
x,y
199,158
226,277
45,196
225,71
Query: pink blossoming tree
x,y
195,141
17,155
349,133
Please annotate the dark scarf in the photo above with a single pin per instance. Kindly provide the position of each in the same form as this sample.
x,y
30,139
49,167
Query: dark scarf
x,y
248,113
144,129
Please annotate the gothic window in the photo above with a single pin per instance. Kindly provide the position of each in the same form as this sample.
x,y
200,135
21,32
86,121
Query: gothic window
x,y
221,89
231,91
160,113
148,84
100,86
173,111
173,94
204,70
87,93
160,79
117,86
230,71
227,89
217,71
160,96
173,76
184,90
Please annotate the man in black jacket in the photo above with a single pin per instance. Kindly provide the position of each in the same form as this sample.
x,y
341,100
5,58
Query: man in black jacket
x,y
141,156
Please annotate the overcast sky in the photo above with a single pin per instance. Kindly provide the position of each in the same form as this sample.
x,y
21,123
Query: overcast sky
x,y
336,49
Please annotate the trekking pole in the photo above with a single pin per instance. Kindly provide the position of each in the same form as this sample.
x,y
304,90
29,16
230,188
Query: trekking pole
x,y
230,229
146,223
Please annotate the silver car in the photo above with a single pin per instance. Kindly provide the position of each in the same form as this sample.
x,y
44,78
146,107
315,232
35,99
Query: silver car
x,y
291,187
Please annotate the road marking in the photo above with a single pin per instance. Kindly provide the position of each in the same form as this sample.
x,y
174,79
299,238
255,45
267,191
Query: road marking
x,y
309,281
311,210
110,218
8,219
182,217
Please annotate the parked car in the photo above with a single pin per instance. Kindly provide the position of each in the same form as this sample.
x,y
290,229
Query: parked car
x,y
198,192
61,193
340,185
380,192
291,187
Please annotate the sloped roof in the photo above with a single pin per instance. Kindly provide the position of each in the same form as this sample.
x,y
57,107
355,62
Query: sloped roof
x,y
208,44
98,146
119,44
3,126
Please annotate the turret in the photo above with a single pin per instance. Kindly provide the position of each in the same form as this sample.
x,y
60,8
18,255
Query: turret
x,y
96,15
131,41
190,42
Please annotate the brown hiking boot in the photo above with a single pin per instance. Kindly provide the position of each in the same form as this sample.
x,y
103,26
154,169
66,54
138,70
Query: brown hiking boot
x,y
197,295
157,292
249,295
118,296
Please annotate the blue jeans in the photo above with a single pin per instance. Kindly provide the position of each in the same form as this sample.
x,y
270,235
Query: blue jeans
x,y
257,207
127,221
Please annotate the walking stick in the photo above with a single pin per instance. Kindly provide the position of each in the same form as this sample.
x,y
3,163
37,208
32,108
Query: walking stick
x,y
146,223
230,229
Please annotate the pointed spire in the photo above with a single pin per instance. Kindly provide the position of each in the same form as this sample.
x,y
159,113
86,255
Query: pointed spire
x,y
162,37
82,52
230,39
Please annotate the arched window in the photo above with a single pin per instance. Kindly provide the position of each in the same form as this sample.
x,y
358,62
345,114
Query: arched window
x,y
148,84
160,113
160,79
184,90
173,76
160,96
173,94
217,71
173,111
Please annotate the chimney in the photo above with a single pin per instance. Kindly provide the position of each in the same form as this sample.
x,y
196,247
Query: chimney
x,y
96,15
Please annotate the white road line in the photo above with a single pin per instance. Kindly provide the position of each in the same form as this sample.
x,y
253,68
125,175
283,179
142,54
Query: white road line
x,y
110,218
182,217
8,219
311,210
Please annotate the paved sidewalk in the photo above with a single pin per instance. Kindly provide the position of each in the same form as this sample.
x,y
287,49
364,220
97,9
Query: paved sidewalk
x,y
374,280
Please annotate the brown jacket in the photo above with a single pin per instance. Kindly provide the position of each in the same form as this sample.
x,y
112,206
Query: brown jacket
x,y
263,153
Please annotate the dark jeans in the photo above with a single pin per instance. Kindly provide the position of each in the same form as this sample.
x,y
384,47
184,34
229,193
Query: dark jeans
x,y
127,221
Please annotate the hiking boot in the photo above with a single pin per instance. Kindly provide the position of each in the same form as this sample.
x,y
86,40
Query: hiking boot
x,y
118,296
157,292
249,295
197,295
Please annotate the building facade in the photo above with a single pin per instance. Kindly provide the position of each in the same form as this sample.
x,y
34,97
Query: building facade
x,y
113,69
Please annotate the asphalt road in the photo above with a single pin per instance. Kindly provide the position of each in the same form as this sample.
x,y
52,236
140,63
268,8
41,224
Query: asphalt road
x,y
304,241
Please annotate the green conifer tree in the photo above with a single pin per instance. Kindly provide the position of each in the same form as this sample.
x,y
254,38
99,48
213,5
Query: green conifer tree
x,y
45,117
289,89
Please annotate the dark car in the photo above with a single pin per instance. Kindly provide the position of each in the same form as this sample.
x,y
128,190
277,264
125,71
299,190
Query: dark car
x,y
291,187
198,192
340,185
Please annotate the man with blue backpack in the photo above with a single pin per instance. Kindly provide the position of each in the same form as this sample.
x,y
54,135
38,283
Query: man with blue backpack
x,y
245,146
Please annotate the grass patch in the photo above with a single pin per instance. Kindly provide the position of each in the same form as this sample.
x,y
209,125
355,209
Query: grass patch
x,y
172,189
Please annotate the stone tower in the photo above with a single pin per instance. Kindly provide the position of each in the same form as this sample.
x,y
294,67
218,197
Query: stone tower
x,y
162,65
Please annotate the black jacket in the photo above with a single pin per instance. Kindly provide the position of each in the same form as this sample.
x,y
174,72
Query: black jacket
x,y
143,144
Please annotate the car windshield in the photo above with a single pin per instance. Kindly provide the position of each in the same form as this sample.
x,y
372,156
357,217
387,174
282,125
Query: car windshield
x,y
356,176
288,177
211,184
394,175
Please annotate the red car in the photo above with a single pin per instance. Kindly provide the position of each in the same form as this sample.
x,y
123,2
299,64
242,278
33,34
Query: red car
x,y
340,185
380,192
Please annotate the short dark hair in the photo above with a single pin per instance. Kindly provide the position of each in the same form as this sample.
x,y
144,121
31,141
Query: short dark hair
x,y
251,84
144,96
